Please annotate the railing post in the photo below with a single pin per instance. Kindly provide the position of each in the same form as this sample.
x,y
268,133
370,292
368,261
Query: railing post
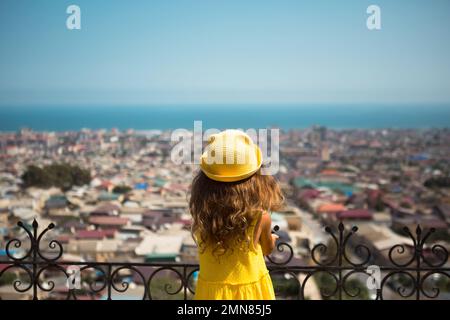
x,y
185,283
418,253
34,250
340,253
109,281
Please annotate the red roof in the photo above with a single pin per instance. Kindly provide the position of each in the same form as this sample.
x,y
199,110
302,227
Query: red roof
x,y
108,220
331,208
355,214
107,184
3,266
309,194
185,222
329,172
95,234
64,238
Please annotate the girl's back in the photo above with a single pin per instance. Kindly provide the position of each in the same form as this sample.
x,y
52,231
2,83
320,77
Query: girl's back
x,y
241,273
232,228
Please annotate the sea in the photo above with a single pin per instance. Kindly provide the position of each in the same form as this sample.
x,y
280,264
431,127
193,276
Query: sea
x,y
220,116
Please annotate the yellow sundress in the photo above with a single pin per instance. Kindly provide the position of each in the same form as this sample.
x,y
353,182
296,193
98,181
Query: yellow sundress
x,y
239,275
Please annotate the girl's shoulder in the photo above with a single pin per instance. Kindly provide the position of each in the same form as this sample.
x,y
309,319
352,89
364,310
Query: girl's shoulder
x,y
260,218
261,213
264,216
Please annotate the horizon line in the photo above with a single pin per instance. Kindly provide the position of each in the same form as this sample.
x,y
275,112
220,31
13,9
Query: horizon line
x,y
208,104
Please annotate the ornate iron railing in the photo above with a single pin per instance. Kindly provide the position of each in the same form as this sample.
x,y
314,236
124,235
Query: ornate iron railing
x,y
410,272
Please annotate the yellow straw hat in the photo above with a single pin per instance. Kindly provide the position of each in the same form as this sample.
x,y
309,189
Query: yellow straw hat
x,y
230,156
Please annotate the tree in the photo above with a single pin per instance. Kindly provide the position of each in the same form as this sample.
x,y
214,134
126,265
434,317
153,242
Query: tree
x,y
63,176
438,182
35,176
121,189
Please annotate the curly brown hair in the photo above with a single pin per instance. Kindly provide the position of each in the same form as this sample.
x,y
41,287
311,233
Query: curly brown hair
x,y
222,211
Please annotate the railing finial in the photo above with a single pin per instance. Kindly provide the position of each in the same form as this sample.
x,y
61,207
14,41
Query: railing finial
x,y
332,258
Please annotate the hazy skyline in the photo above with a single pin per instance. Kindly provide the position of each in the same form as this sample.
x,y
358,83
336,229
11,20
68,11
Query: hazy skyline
x,y
157,52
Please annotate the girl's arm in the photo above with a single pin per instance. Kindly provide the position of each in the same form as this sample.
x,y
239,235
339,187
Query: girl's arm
x,y
266,238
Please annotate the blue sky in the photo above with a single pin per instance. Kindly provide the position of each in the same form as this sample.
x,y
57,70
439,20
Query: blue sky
x,y
224,51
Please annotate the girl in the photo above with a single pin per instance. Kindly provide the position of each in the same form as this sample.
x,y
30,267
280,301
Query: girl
x,y
230,204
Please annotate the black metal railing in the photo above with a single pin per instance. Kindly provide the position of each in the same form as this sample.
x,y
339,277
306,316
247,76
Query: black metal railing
x,y
344,268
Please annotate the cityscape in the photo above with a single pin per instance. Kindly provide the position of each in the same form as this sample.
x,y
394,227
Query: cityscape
x,y
96,98
116,196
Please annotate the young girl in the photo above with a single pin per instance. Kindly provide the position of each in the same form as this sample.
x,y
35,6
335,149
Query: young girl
x,y
230,204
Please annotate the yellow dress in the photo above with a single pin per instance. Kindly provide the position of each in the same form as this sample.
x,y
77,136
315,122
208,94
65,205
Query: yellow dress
x,y
238,275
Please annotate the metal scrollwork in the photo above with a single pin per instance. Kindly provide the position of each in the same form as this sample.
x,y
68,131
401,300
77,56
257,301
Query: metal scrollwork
x,y
341,243
324,249
124,284
433,287
325,292
18,243
168,287
418,251
400,249
190,280
360,249
280,257
18,283
93,285
53,244
337,270
35,241
402,289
